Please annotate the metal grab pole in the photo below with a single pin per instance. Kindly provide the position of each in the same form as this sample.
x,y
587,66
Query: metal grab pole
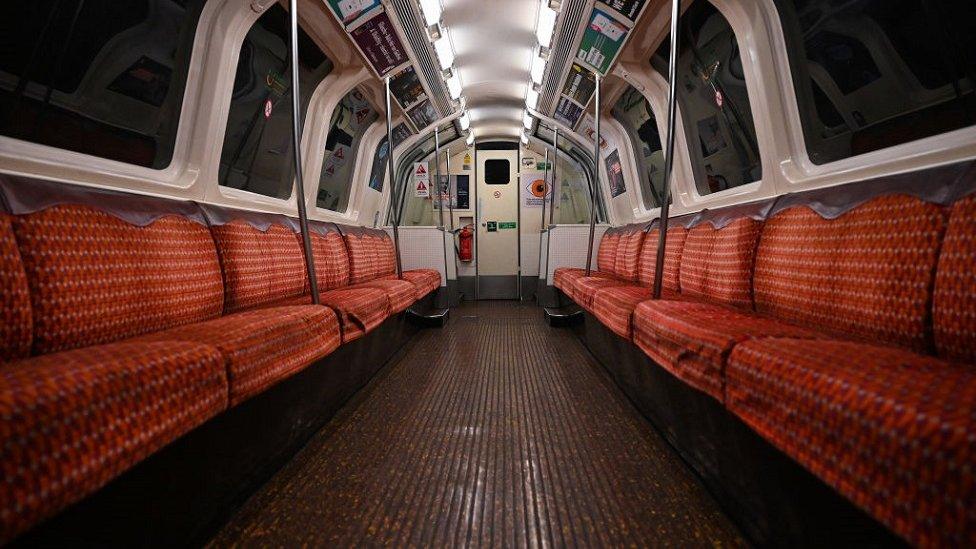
x,y
546,187
451,197
296,134
555,180
389,157
596,172
437,172
669,152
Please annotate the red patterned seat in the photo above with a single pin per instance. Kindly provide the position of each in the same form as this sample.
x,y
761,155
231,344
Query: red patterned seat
x,y
400,293
74,420
717,263
263,346
893,431
95,278
368,259
692,340
867,274
954,307
15,306
564,278
614,306
261,267
425,281
586,287
360,310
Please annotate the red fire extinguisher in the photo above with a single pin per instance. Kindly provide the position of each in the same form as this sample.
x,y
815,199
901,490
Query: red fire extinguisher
x,y
465,242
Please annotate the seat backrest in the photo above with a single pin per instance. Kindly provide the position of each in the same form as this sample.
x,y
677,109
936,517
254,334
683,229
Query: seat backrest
x,y
954,304
262,261
867,273
371,254
15,307
331,258
96,278
717,263
606,254
672,257
628,252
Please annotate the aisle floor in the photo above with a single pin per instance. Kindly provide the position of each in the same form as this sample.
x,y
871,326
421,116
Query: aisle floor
x,y
496,430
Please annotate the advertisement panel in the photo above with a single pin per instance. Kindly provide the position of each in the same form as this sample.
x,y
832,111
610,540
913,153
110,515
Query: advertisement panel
x,y
568,112
580,84
380,43
349,10
423,115
407,88
601,41
615,174
628,8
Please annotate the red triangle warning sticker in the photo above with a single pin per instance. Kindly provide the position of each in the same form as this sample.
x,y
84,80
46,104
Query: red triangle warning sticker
x,y
421,186
339,153
421,170
330,170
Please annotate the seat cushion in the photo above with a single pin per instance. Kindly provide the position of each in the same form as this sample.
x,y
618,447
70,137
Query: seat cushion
x,y
564,278
371,254
672,257
893,431
96,278
614,306
692,339
585,287
606,253
331,259
954,308
260,267
360,310
717,263
628,253
424,280
400,293
15,308
72,421
867,273
263,346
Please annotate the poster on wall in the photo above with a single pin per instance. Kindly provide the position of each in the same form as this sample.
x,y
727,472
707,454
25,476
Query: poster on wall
x,y
456,196
587,130
349,10
630,9
615,174
380,44
535,192
377,176
601,41
407,88
400,133
580,84
567,112
423,115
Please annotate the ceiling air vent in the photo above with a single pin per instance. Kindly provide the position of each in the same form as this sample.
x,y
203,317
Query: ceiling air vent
x,y
410,20
562,53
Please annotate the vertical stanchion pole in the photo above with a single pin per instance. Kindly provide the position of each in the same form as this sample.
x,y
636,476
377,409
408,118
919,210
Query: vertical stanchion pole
x,y
437,176
451,198
548,187
296,135
555,179
669,152
596,173
389,157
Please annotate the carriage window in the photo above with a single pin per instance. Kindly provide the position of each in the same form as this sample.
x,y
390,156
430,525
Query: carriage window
x,y
497,172
877,73
257,155
349,122
96,77
573,179
634,113
714,101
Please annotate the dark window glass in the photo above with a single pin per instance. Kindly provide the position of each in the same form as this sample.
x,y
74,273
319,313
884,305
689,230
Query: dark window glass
x,y
634,113
349,122
497,171
714,101
98,77
873,74
573,174
257,155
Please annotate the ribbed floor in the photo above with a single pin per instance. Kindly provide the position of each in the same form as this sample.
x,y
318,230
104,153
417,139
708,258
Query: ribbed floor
x,y
497,430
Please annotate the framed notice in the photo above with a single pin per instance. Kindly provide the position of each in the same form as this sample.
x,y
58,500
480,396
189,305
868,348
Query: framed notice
x,y
568,112
631,9
423,115
400,132
407,88
380,44
580,84
601,41
615,174
348,11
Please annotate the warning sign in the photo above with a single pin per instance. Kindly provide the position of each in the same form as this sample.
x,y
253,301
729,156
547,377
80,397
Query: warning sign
x,y
467,162
421,178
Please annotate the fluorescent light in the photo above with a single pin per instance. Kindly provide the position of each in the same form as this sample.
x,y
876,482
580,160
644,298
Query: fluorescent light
x,y
470,139
547,24
444,51
525,139
527,121
454,86
532,99
432,11
538,69
465,121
